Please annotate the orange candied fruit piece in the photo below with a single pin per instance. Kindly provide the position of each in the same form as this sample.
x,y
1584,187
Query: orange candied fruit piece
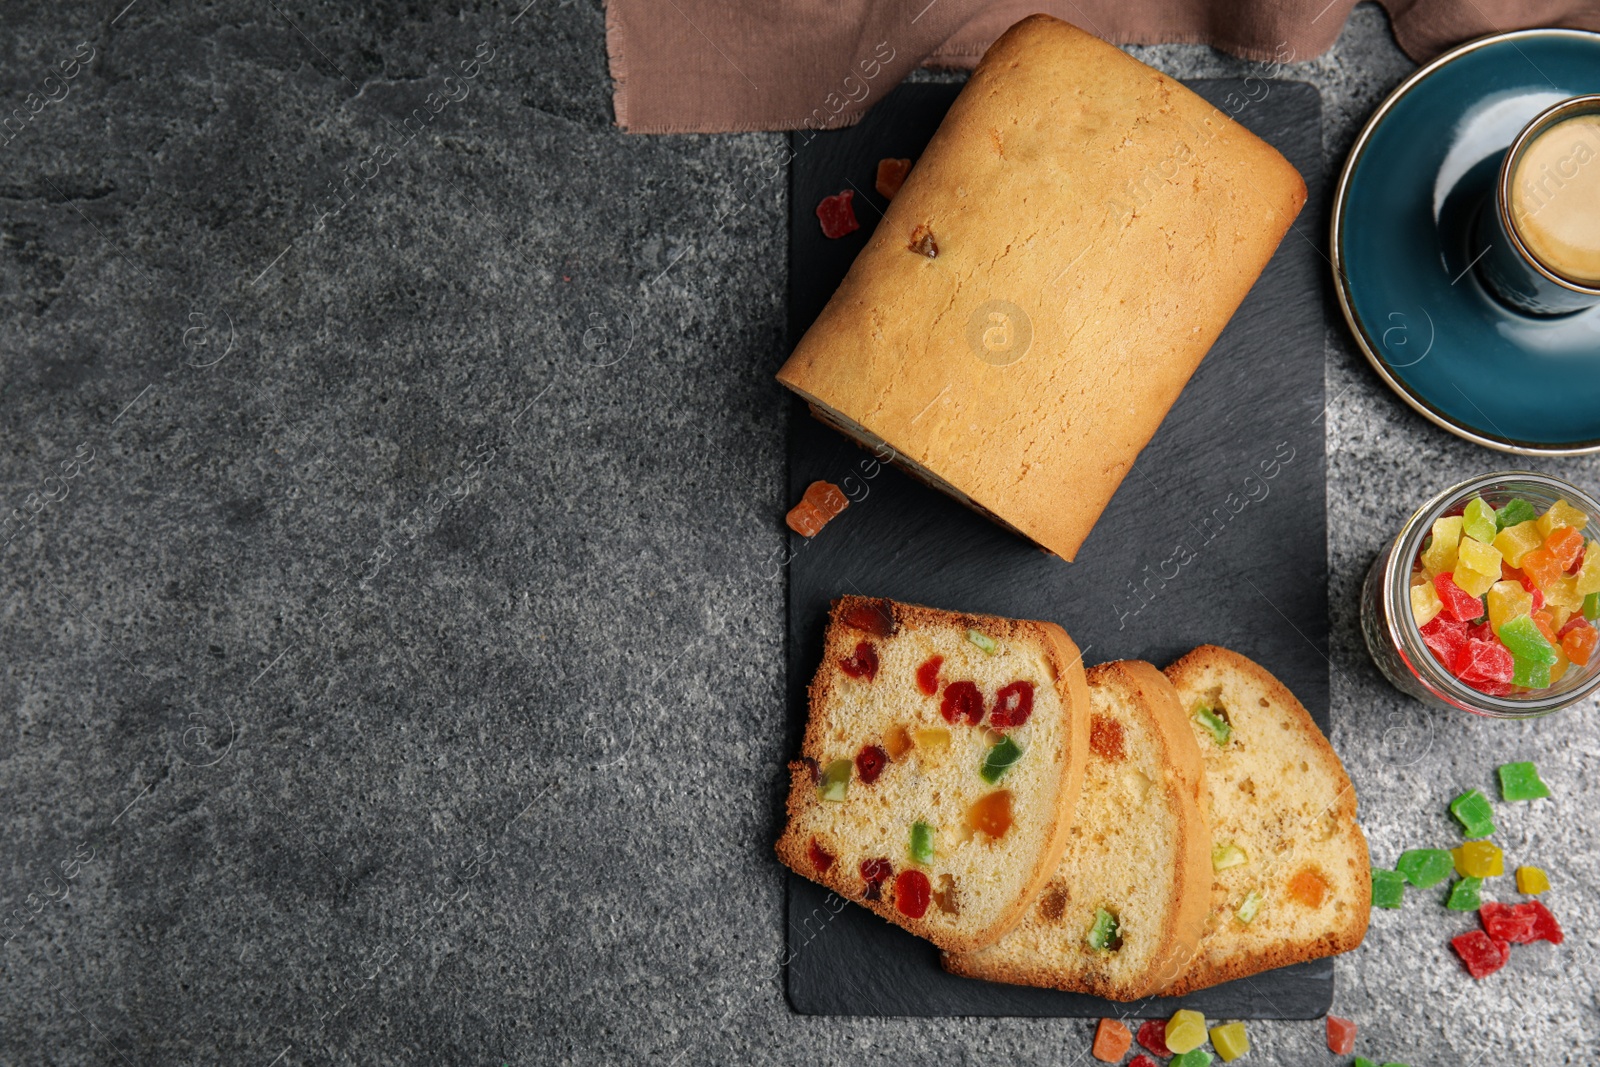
x,y
1542,620
1308,887
1111,1041
891,176
1542,566
1579,644
1564,543
991,814
821,504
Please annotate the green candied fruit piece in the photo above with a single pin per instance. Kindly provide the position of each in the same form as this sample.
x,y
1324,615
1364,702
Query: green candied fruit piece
x,y
1591,607
1464,895
1195,1057
1219,727
1425,867
987,644
1388,888
1362,1061
835,782
1521,635
1528,674
1472,810
1521,781
999,760
1478,521
922,842
1248,908
1103,934
1227,854
1516,512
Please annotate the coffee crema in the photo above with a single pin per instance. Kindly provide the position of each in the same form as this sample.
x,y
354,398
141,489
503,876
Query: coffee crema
x,y
1555,198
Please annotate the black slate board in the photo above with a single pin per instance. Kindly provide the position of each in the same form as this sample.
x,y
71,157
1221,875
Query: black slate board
x,y
1256,582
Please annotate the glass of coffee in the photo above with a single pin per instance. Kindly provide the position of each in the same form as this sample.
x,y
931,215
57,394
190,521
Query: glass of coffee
x,y
1542,226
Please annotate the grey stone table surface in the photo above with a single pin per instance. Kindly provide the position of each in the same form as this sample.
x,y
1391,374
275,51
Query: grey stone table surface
x,y
391,668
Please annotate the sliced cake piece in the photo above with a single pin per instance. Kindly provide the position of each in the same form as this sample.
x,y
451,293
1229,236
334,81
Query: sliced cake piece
x,y
1292,880
1123,915
942,760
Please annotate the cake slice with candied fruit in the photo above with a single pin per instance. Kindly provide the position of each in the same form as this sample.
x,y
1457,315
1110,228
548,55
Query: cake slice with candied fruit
x,y
941,764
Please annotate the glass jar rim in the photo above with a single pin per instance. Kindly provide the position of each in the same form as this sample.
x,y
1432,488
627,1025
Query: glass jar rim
x,y
1407,636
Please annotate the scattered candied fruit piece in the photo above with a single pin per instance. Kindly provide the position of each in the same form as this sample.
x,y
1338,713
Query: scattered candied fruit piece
x,y
1425,867
991,814
1506,923
819,506
837,214
1341,1035
1185,1030
1521,781
1141,1060
1105,738
1388,888
835,781
1473,812
1308,887
1561,514
1440,555
897,742
1464,895
1478,521
1195,1057
1481,954
875,617
962,701
912,892
804,519
821,858
1013,704
1545,927
862,663
891,176
1231,1041
870,762
933,739
1459,604
928,675
1153,1036
1532,881
1111,1041
1479,859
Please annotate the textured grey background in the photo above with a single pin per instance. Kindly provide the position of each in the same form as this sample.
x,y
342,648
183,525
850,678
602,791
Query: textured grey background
x,y
392,649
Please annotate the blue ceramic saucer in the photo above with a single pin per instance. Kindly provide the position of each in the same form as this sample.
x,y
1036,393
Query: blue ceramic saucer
x,y
1403,262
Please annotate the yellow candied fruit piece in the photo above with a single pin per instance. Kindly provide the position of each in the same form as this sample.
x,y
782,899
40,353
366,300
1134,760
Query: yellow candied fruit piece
x,y
1532,881
1479,859
933,738
1477,556
1561,513
1517,541
1563,593
1230,1040
1589,573
1559,667
1186,1030
1426,605
1440,555
1558,616
1507,600
1475,582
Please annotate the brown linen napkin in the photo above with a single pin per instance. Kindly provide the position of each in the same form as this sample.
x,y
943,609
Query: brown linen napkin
x,y
714,66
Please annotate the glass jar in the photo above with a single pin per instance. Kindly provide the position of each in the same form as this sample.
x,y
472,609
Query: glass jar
x,y
1392,636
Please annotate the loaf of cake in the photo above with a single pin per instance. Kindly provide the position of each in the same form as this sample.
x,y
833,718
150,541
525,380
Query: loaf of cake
x,y
1059,260
1123,915
942,758
1291,878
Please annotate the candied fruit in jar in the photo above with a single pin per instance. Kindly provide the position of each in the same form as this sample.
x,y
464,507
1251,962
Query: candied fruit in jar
x,y
1523,638
1459,604
862,663
1478,521
1425,603
1448,641
1474,555
1506,601
1514,512
1542,566
1515,542
1440,555
1561,514
1589,573
1566,545
1473,583
1487,666
1579,641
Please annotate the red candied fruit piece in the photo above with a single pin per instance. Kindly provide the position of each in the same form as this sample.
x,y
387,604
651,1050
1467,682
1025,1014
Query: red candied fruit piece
x,y
821,858
1577,622
1341,1036
1447,640
1481,954
928,674
911,893
1459,604
863,663
1482,632
1488,663
875,872
1502,922
1153,1036
870,762
837,214
962,701
876,617
1545,927
1141,1060
1012,705
1577,563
